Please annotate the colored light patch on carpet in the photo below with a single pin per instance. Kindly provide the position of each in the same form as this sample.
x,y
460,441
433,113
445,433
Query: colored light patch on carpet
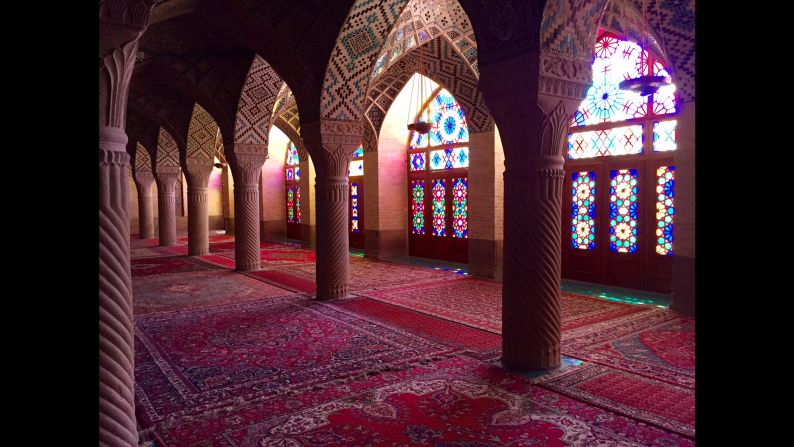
x,y
136,253
157,266
166,293
135,242
226,356
659,403
478,303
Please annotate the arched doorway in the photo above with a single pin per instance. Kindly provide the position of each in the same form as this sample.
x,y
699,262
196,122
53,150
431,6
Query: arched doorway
x,y
618,205
438,182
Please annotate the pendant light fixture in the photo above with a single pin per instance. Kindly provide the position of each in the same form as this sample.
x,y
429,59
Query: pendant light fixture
x,y
645,84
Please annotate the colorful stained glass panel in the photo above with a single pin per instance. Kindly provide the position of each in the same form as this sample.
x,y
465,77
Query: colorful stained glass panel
x,y
297,204
623,193
583,208
665,209
354,207
356,168
439,201
418,206
290,173
359,152
291,204
297,173
665,136
292,155
449,158
418,162
460,208
599,143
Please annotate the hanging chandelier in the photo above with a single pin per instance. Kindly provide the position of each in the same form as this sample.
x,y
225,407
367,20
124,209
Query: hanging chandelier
x,y
646,84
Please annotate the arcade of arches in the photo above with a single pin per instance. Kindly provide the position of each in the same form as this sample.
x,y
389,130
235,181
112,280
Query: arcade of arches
x,y
283,262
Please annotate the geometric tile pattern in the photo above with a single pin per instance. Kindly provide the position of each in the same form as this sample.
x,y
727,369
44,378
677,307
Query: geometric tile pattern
x,y
441,63
143,161
423,20
283,98
350,66
568,28
201,134
256,103
167,150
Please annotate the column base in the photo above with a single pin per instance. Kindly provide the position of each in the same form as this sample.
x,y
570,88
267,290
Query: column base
x,y
247,267
166,243
197,251
527,360
333,292
146,236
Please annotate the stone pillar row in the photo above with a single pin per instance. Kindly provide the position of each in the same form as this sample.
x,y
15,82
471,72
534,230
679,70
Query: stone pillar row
x,y
166,177
198,174
143,183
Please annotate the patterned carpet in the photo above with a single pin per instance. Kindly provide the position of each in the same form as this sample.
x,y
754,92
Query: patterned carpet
x,y
191,290
369,274
288,372
231,359
478,303
157,266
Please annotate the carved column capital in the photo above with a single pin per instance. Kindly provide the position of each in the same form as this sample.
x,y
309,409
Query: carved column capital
x,y
197,171
564,77
331,144
166,177
116,68
144,179
246,166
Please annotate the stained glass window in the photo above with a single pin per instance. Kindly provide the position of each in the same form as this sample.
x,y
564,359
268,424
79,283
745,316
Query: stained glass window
x,y
439,201
418,206
354,207
597,127
665,209
623,213
357,164
292,155
297,204
292,176
598,143
664,136
437,163
460,208
291,204
583,208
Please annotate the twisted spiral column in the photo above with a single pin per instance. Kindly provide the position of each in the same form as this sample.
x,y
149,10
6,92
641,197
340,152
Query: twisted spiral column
x,y
166,204
333,275
531,287
245,169
116,393
143,183
198,174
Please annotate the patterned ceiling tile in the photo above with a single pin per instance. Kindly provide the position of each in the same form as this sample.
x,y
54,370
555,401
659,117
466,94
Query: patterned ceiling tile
x,y
259,93
167,150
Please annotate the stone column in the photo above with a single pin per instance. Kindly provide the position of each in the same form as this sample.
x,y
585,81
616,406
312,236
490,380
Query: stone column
x,y
246,163
198,172
116,404
166,177
331,145
143,183
684,221
532,112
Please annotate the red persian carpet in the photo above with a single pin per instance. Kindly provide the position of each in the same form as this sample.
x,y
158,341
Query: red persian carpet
x,y
282,256
366,274
478,303
291,372
156,266
167,293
